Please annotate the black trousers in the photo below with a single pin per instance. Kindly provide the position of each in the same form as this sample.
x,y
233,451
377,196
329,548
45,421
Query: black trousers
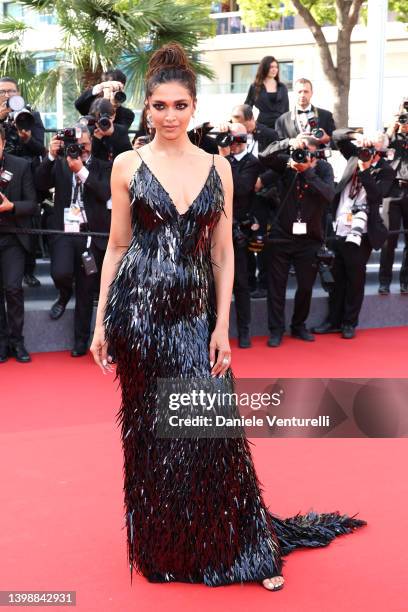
x,y
241,290
349,273
256,261
397,213
12,259
302,253
66,269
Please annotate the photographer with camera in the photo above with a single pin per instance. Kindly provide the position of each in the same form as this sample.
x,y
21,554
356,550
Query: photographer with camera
x,y
358,225
108,138
81,203
306,189
24,138
110,88
396,205
245,170
17,204
259,135
306,118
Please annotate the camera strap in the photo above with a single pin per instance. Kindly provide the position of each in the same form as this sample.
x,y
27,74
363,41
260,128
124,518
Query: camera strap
x,y
285,199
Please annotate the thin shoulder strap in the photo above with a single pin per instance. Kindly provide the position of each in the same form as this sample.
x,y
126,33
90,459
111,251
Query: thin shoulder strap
x,y
139,154
213,160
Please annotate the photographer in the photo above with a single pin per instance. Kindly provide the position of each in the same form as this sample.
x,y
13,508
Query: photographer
x,y
306,118
17,204
259,135
359,228
306,189
111,88
396,205
108,138
81,203
245,170
24,138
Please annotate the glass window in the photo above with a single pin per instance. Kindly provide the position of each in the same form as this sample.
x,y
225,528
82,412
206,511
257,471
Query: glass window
x,y
13,9
244,74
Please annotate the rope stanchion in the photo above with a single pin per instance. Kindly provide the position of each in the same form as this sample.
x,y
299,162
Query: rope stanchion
x,y
12,229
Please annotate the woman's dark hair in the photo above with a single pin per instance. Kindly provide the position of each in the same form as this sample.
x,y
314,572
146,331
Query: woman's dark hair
x,y
262,72
102,106
170,63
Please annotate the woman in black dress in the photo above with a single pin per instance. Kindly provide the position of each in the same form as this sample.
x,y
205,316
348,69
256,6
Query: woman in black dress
x,y
268,93
194,509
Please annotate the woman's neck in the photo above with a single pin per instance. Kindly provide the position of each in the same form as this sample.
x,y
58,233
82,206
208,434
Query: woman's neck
x,y
171,148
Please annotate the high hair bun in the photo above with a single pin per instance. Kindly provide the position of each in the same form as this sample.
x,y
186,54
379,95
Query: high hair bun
x,y
169,56
170,63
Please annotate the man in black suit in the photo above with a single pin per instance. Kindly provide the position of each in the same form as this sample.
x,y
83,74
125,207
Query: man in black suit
x,y
23,139
307,189
245,170
17,204
296,121
113,81
358,227
81,202
259,135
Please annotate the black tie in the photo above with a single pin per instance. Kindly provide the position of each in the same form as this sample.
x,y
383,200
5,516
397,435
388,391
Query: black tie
x,y
302,111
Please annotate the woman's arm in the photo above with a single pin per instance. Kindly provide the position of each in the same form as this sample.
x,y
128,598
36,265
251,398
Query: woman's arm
x,y
223,268
119,240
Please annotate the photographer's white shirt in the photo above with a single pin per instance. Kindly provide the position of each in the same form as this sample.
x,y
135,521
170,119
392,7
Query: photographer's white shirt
x,y
344,214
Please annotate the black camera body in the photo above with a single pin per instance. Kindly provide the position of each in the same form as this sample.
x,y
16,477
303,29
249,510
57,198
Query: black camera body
x,y
301,156
70,146
314,126
226,139
119,97
104,123
403,119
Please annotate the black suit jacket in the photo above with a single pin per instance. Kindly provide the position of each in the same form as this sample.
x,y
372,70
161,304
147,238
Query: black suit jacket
x,y
286,125
96,193
376,180
21,192
124,116
264,135
244,174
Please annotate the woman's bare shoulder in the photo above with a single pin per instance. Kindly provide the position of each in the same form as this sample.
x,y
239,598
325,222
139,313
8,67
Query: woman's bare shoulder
x,y
127,158
222,165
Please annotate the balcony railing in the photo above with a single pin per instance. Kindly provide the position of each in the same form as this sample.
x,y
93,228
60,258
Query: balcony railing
x,y
231,23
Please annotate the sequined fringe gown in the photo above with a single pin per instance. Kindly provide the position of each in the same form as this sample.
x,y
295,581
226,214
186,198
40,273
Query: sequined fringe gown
x,y
194,510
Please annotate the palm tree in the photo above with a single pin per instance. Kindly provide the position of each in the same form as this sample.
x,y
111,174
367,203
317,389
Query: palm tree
x,y
102,34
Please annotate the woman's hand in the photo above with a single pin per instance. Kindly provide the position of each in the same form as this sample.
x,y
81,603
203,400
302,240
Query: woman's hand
x,y
99,350
220,342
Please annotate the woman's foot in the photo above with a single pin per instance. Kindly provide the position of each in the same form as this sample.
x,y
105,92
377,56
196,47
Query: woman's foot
x,y
274,584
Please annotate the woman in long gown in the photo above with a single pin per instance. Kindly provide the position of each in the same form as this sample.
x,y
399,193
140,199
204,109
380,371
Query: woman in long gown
x,y
194,509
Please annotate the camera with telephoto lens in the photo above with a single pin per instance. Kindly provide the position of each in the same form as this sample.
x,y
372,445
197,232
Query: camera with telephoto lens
x,y
314,126
359,218
20,118
119,97
70,146
104,122
403,119
226,139
301,156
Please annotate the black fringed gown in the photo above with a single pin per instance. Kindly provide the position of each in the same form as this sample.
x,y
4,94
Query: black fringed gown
x,y
194,506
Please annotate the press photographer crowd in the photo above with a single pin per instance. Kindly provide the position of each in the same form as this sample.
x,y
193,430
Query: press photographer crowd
x,y
290,216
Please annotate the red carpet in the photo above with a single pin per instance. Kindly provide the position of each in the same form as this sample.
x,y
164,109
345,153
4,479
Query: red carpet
x,y
61,488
